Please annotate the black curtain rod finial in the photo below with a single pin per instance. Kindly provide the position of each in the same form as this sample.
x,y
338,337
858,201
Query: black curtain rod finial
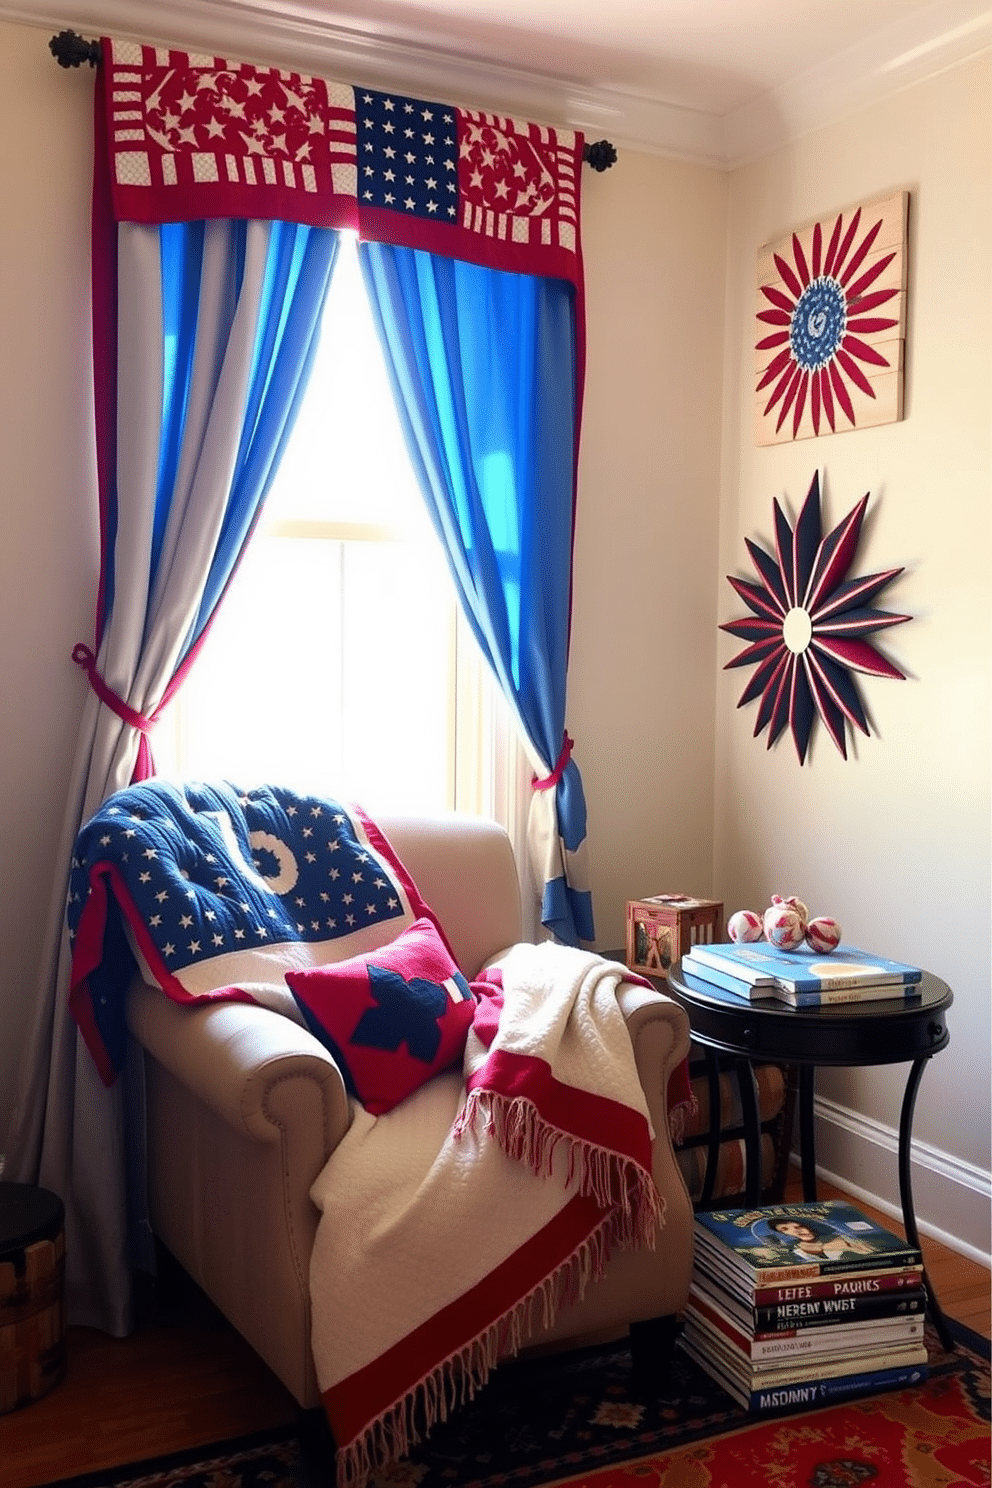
x,y
600,155
71,50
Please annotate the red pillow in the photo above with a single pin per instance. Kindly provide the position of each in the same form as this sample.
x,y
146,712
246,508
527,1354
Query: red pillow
x,y
392,1018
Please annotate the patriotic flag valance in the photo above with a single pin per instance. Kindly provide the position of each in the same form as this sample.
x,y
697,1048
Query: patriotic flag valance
x,y
193,136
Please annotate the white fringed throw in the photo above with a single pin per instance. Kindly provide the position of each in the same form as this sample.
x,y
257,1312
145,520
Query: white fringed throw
x,y
468,1215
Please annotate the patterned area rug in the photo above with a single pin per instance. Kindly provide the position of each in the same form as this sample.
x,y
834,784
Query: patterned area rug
x,y
581,1419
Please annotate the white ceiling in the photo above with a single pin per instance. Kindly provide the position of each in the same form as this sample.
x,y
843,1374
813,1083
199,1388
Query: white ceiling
x,y
711,80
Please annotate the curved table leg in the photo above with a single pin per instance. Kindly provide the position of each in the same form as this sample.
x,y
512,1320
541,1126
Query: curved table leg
x,y
906,1191
751,1123
713,1143
713,1140
807,1143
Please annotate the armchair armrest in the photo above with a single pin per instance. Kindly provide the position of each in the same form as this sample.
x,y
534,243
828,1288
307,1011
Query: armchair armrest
x,y
243,1109
645,1284
245,1063
659,1032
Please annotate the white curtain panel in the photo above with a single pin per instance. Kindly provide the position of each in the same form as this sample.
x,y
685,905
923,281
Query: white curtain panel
x,y
69,1132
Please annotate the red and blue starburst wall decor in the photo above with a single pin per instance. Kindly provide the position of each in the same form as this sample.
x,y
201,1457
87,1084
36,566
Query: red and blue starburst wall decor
x,y
831,324
808,627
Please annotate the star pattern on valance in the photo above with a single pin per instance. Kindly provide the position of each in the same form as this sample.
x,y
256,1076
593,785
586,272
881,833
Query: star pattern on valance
x,y
193,136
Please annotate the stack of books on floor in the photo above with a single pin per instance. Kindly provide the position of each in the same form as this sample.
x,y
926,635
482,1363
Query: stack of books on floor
x,y
800,978
804,1304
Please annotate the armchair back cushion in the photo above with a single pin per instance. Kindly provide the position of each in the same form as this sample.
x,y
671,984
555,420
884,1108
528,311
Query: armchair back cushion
x,y
465,870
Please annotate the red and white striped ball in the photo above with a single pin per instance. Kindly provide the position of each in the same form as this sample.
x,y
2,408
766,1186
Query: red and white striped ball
x,y
783,927
823,934
791,902
745,925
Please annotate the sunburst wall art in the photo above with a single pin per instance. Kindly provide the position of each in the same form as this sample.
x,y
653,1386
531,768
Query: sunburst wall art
x,y
808,627
831,324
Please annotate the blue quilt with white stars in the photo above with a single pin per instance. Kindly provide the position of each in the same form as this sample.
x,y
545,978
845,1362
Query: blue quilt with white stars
x,y
211,892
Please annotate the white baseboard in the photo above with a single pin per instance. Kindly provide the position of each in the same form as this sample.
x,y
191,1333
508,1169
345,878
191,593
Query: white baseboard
x,y
952,1199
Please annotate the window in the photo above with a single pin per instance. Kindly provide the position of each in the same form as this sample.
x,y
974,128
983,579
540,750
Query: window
x,y
339,661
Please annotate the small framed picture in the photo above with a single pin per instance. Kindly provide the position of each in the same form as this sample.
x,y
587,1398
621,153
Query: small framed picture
x,y
651,945
661,929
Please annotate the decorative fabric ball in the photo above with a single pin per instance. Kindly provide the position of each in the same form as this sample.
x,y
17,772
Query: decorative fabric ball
x,y
783,927
823,934
791,902
745,925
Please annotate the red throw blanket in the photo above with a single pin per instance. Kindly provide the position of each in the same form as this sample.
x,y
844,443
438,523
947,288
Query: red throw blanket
x,y
466,1217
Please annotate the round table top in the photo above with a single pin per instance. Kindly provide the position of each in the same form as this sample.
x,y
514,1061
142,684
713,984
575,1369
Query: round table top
x,y
28,1214
889,1031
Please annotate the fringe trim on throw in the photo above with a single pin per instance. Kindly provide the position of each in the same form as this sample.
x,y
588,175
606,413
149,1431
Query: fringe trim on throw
x,y
456,1380
616,1183
678,1118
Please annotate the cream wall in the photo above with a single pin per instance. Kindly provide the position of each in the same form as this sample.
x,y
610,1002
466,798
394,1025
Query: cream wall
x,y
896,842
48,552
640,700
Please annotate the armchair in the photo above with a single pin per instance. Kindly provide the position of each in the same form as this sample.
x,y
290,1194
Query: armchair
x,y
244,1108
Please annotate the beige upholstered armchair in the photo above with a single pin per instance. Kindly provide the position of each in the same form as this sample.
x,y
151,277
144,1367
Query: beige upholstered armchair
x,y
244,1108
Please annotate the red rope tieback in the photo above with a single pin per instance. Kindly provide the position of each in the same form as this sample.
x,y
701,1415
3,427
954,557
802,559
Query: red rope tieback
x,y
552,780
84,658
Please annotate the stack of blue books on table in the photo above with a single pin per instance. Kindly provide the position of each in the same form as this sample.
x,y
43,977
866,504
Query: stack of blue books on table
x,y
803,1304
800,978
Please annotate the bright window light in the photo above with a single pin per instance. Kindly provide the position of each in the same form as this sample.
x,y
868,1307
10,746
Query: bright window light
x,y
338,662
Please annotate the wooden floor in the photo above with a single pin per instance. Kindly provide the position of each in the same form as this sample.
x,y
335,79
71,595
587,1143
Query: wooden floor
x,y
185,1379
962,1287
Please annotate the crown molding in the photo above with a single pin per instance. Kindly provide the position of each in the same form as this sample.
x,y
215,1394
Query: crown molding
x,y
291,35
919,46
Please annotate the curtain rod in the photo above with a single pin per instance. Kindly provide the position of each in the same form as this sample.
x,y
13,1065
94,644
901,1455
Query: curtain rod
x,y
71,50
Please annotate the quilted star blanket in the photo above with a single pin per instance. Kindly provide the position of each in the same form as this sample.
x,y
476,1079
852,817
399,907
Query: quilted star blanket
x,y
213,892
487,1201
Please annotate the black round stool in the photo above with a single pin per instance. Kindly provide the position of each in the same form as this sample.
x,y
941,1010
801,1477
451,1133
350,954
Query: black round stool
x,y
32,1310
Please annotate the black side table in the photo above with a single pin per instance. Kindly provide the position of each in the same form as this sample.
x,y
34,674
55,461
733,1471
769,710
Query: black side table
x,y
897,1031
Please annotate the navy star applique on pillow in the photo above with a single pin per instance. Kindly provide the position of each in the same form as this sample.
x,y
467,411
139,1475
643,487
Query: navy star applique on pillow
x,y
392,1018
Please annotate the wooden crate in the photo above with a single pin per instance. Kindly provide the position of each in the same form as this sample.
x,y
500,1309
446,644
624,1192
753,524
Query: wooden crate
x,y
662,928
